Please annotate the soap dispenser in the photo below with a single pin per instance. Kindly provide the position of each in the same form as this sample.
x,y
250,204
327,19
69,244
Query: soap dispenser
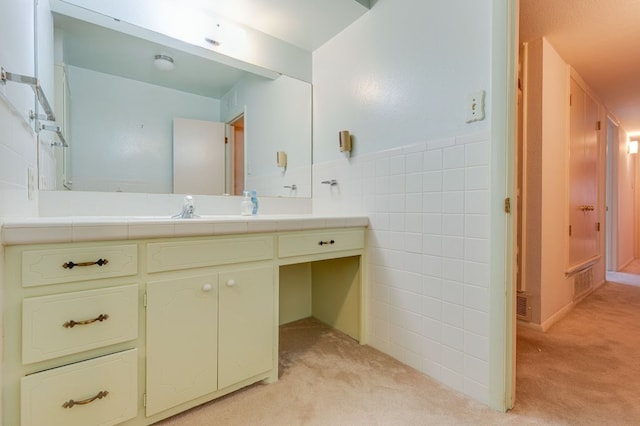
x,y
254,201
246,206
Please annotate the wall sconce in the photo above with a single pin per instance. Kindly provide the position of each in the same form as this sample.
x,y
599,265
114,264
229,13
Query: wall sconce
x,y
345,141
632,147
281,160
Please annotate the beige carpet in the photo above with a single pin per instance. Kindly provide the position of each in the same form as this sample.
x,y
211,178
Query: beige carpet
x,y
584,371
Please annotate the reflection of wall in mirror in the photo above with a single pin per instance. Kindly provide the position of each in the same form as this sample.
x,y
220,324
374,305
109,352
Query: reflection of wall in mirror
x,y
273,124
122,131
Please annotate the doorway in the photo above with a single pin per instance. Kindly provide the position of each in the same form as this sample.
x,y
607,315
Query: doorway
x,y
614,201
235,156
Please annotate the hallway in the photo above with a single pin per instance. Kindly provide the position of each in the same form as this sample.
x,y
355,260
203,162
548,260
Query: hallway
x,y
586,369
629,275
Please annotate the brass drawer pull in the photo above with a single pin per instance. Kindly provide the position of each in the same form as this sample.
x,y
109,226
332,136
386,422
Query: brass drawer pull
x,y
322,243
70,403
99,262
72,323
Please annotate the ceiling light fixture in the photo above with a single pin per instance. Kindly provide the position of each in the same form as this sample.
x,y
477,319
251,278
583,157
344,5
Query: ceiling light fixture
x,y
164,62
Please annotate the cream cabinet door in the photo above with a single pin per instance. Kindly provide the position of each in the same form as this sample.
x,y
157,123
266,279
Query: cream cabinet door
x,y
182,352
246,329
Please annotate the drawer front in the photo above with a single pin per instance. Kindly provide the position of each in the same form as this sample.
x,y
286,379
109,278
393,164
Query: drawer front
x,y
102,391
171,256
59,265
64,324
319,242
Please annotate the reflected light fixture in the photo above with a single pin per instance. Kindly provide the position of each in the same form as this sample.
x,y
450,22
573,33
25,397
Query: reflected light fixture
x,y
632,147
164,62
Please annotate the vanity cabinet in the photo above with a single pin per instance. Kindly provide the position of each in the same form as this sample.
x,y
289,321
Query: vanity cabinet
x,y
134,331
71,334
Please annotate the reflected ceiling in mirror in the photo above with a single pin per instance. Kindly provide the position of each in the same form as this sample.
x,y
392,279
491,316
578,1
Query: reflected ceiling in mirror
x,y
93,47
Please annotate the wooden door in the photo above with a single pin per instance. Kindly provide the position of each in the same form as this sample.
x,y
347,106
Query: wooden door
x,y
583,177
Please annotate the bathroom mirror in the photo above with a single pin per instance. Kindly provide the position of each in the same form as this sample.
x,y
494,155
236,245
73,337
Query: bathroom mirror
x,y
118,95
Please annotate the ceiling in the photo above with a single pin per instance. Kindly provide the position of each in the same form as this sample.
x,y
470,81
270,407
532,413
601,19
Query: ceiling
x,y
600,39
307,24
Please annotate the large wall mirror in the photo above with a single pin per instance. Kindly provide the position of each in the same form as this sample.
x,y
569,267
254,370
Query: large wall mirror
x,y
141,115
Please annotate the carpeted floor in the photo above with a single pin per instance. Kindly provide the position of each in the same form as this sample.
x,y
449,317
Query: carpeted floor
x,y
584,371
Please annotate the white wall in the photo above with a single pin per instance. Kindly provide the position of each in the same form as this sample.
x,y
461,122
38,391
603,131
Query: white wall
x,y
546,183
17,141
398,79
401,74
122,131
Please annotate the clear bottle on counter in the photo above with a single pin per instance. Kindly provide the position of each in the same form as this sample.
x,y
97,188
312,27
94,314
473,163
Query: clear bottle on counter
x,y
246,205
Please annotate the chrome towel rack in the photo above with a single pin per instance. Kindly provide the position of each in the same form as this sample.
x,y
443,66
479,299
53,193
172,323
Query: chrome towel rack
x,y
42,100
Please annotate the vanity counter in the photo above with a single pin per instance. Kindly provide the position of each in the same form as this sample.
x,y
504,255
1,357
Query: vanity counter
x,y
15,231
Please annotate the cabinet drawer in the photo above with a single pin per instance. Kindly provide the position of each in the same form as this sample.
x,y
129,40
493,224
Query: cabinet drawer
x,y
172,256
64,324
319,242
102,391
59,265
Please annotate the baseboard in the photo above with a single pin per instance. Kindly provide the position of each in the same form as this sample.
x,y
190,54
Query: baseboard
x,y
546,325
627,263
531,325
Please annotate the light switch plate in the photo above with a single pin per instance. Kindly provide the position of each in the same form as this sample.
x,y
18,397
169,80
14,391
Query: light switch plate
x,y
475,106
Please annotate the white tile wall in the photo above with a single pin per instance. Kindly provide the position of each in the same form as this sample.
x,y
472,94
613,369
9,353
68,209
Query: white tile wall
x,y
428,245
17,154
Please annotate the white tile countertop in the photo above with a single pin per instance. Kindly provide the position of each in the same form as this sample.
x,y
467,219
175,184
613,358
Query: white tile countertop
x,y
96,228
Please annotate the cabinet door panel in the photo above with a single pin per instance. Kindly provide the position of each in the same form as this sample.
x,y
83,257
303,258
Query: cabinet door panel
x,y
182,323
246,324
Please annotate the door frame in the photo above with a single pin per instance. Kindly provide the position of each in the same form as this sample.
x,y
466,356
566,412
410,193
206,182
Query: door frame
x,y
502,291
611,211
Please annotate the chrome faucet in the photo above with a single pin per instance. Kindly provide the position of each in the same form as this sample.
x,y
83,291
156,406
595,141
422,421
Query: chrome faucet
x,y
188,209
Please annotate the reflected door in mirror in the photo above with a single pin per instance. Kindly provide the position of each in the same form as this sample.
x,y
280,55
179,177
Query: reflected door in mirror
x,y
198,157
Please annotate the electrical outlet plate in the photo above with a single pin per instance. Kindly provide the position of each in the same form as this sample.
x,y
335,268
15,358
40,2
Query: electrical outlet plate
x,y
31,182
475,106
